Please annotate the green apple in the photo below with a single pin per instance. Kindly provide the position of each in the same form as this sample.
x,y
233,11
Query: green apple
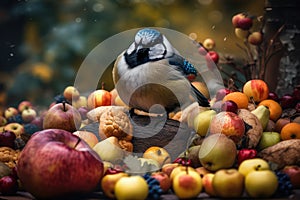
x,y
108,183
261,183
228,183
202,121
187,184
268,139
253,164
131,187
217,151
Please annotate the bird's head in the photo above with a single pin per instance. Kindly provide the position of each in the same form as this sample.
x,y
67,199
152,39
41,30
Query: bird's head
x,y
149,45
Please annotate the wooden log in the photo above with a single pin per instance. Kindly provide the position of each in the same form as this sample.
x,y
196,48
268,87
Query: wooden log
x,y
170,134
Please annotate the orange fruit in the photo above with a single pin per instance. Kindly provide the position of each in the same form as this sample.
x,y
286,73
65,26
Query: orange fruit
x,y
274,107
290,131
239,98
89,137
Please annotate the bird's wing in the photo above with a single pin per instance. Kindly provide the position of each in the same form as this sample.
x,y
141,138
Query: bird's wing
x,y
186,68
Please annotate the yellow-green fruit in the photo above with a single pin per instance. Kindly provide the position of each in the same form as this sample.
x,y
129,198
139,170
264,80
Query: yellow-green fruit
x,y
261,184
202,121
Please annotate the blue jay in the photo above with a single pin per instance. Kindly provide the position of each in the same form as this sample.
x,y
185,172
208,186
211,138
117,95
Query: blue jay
x,y
152,72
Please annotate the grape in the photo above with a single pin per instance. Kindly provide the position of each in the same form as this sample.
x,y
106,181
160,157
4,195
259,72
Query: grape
x,y
154,188
285,187
31,128
15,119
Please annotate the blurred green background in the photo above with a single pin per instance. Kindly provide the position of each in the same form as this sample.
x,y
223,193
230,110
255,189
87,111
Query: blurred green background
x,y
43,42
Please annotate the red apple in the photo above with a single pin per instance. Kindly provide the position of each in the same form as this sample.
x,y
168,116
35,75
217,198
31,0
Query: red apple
x,y
245,154
8,185
256,90
163,179
62,116
98,98
7,139
212,55
229,106
245,23
287,101
229,124
55,164
10,112
221,93
28,115
236,18
293,171
24,105
38,121
255,38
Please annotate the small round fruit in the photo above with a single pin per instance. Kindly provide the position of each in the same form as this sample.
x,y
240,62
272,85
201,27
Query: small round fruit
x,y
158,154
229,106
273,96
287,101
8,185
255,38
89,137
239,98
290,131
209,43
221,93
240,33
245,23
98,98
132,187
70,92
236,18
274,107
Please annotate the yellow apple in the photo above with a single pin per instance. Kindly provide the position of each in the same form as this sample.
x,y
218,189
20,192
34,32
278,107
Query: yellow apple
x,y
253,164
159,154
179,169
89,137
131,187
71,93
187,184
80,102
228,183
202,121
108,183
261,183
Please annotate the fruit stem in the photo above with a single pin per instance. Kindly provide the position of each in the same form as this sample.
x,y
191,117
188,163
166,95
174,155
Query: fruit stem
x,y
64,105
78,141
102,85
257,167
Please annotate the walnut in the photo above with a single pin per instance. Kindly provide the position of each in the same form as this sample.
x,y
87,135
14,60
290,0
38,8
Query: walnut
x,y
126,145
9,156
116,123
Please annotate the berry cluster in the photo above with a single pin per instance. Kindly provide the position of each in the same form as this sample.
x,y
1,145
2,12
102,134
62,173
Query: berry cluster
x,y
154,188
285,187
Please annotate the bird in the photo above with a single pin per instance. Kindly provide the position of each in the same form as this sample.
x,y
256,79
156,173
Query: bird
x,y
151,75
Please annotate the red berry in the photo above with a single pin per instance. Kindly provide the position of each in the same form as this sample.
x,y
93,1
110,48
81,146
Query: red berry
x,y
8,185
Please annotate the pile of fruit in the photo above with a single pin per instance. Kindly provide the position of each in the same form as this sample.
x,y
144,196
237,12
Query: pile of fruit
x,y
246,144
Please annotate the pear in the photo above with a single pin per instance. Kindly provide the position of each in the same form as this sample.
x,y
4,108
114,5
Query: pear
x,y
263,114
109,150
217,151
